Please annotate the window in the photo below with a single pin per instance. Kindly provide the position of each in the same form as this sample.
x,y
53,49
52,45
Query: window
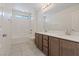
x,y
23,17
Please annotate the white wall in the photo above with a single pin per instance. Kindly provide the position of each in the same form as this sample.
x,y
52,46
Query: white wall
x,y
65,19
75,19
34,23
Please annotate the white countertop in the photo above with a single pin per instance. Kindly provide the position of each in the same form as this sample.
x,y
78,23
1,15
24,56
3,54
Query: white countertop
x,y
61,34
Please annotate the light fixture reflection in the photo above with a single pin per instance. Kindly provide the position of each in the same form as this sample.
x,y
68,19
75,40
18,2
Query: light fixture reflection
x,y
46,6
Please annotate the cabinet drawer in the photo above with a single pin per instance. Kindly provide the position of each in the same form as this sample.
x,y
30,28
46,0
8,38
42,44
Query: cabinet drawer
x,y
36,34
45,50
40,41
45,43
45,37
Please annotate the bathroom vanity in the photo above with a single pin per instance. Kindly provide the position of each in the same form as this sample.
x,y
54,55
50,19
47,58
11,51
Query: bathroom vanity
x,y
57,43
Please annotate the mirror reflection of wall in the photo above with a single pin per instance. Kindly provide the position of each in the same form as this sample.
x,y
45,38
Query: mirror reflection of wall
x,y
44,23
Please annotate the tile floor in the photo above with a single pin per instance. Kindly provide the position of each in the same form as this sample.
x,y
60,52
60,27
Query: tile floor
x,y
27,48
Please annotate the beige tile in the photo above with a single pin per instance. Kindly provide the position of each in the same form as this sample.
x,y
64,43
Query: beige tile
x,y
27,48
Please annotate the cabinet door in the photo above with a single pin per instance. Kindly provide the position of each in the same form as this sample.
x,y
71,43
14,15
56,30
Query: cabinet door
x,y
53,46
40,41
36,39
67,48
76,49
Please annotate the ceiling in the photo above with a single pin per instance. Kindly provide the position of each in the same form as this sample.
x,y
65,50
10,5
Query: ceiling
x,y
57,7
20,6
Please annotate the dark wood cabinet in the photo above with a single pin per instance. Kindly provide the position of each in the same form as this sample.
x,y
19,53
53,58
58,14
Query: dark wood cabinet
x,y
45,51
45,37
40,44
67,48
53,46
76,49
38,40
45,44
